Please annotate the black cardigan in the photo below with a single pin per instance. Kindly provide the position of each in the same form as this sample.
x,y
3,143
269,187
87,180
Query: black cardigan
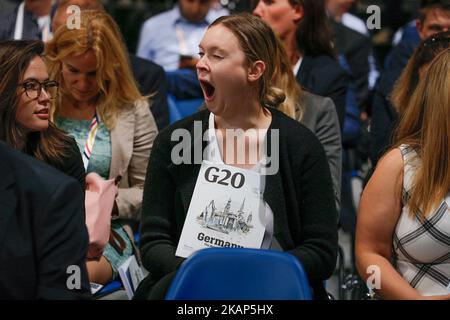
x,y
300,195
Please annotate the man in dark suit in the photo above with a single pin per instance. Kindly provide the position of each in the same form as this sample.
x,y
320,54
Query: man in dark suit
x,y
29,12
43,236
356,48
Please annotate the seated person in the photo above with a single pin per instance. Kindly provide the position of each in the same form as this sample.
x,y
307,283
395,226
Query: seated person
x,y
302,27
150,76
434,17
315,112
297,203
99,94
171,40
403,223
43,235
26,92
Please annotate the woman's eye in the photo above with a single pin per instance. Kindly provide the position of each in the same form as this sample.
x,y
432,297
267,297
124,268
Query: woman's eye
x,y
201,54
31,86
217,56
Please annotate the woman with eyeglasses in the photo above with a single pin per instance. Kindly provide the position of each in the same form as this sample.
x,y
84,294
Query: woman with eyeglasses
x,y
26,94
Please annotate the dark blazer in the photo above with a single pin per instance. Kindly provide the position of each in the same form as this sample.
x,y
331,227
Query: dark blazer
x,y
152,79
384,116
323,76
356,48
42,230
8,15
300,195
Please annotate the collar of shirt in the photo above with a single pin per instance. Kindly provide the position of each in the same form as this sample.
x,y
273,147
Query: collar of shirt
x,y
296,67
178,17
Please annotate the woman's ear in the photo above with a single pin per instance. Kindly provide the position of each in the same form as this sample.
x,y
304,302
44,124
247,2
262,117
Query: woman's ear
x,y
256,70
299,13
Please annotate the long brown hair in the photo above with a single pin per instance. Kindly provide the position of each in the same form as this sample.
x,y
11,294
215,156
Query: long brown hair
x,y
284,79
100,33
49,145
258,42
313,33
425,126
423,55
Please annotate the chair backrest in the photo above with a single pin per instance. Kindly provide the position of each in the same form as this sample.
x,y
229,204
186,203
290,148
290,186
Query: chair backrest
x,y
240,274
179,109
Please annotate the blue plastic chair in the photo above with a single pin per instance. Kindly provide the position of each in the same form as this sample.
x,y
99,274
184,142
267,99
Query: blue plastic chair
x,y
109,288
179,109
240,274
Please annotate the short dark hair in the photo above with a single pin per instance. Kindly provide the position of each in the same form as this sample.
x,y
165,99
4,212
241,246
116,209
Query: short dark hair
x,y
425,5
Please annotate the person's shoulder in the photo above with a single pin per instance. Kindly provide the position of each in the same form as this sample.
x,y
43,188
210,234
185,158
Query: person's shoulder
x,y
355,23
391,163
31,173
324,64
289,128
313,101
160,20
298,140
140,65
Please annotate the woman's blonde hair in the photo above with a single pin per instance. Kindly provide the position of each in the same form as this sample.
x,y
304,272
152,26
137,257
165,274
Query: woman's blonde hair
x,y
425,126
284,79
258,42
98,32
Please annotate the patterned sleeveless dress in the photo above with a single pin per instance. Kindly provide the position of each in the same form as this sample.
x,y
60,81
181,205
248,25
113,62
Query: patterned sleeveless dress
x,y
421,249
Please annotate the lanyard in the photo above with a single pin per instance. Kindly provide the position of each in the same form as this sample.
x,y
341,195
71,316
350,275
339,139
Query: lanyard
x,y
90,140
181,41
18,30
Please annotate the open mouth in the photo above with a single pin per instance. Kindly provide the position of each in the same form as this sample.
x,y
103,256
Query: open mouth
x,y
208,90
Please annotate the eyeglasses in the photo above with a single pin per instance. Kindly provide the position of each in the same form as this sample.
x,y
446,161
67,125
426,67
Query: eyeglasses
x,y
33,88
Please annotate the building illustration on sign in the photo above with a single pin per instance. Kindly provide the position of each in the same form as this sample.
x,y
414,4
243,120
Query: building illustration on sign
x,y
226,220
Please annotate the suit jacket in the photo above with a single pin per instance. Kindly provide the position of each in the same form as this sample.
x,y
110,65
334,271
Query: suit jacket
x,y
152,80
356,48
42,230
323,76
8,16
300,195
131,142
321,118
